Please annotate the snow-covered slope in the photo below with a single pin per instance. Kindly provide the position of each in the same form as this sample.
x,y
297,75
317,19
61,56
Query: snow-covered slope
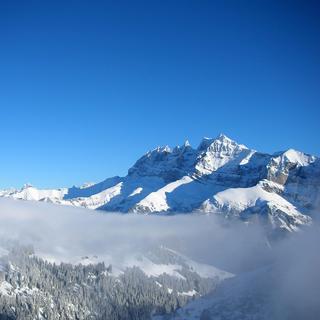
x,y
245,202
285,288
248,296
219,176
162,260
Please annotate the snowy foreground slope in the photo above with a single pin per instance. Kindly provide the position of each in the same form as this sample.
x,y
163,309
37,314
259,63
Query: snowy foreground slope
x,y
219,176
285,287
248,296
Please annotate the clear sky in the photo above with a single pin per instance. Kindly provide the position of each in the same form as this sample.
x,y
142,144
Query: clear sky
x,y
87,87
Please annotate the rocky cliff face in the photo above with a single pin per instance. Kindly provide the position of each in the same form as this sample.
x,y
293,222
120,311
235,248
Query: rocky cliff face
x,y
220,176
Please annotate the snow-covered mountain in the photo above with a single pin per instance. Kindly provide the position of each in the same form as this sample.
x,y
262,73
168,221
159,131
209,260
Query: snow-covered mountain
x,y
220,176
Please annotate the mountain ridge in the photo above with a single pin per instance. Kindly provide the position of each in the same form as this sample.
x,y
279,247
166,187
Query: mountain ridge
x,y
220,176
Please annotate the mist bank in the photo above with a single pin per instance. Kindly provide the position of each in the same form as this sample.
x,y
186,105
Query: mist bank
x,y
283,273
65,234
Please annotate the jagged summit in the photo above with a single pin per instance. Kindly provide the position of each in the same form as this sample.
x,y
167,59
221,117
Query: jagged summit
x,y
220,176
216,153
186,144
221,140
184,160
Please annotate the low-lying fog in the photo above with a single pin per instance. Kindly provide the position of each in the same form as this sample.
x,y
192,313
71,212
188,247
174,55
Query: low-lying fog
x,y
65,234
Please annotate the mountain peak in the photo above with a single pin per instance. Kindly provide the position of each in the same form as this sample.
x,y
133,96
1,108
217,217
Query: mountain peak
x,y
216,153
222,137
225,139
186,144
282,159
221,140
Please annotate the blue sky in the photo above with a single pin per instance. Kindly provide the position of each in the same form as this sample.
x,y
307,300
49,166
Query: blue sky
x,y
86,87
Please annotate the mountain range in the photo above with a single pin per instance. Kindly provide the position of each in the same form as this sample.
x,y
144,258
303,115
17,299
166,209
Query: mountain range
x,y
220,176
